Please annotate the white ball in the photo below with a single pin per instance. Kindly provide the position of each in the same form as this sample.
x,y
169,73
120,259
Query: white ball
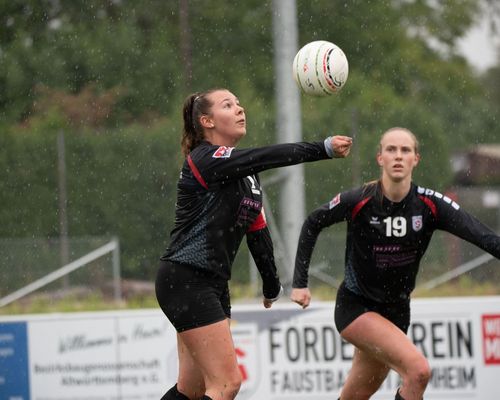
x,y
320,68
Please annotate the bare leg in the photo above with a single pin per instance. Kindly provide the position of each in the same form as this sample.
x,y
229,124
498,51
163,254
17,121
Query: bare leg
x,y
210,359
190,382
366,376
379,338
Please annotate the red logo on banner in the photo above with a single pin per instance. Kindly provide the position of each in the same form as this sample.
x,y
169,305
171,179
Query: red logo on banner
x,y
491,338
241,354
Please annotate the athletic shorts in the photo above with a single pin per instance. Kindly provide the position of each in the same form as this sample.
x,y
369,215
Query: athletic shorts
x,y
190,297
350,306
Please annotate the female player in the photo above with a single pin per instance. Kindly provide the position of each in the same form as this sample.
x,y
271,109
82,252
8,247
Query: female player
x,y
389,225
219,200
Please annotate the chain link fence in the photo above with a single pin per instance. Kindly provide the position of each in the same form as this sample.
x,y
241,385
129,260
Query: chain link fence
x,y
28,260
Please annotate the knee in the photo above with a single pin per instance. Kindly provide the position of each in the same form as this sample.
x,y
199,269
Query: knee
x,y
420,372
227,384
234,384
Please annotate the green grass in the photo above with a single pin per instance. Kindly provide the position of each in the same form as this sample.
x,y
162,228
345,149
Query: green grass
x,y
240,294
462,286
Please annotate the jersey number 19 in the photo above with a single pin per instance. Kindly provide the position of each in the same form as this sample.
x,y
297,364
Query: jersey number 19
x,y
395,226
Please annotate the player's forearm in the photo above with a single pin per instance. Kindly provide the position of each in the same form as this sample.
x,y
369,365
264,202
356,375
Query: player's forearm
x,y
261,247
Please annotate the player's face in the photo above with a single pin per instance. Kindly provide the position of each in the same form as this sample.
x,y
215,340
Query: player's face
x,y
397,155
227,118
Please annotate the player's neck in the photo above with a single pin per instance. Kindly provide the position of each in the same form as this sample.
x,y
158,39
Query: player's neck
x,y
395,191
221,140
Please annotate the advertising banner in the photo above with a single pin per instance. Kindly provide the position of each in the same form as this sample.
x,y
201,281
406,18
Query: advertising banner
x,y
283,353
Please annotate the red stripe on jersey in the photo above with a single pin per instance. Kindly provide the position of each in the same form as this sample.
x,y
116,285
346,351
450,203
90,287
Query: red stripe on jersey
x,y
357,208
259,223
429,204
196,173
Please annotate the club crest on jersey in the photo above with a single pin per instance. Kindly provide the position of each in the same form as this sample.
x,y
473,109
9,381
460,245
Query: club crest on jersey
x,y
335,201
416,222
223,152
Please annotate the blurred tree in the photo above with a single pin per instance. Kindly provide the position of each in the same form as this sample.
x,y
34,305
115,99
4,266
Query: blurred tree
x,y
123,68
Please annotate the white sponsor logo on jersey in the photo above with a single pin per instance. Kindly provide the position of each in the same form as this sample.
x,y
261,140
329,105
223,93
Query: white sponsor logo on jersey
x,y
430,192
335,201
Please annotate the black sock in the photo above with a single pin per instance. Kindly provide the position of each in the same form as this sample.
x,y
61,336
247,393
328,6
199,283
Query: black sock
x,y
398,396
174,394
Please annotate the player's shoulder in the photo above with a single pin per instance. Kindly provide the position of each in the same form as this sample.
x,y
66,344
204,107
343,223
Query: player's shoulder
x,y
208,151
435,199
354,196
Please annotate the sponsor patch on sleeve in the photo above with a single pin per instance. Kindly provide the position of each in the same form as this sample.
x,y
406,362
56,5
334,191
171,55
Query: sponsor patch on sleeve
x,y
335,201
223,152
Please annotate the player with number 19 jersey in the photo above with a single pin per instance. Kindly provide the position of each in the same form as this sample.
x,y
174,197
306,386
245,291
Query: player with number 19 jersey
x,y
386,240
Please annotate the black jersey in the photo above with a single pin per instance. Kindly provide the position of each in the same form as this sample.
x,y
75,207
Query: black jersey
x,y
386,240
219,200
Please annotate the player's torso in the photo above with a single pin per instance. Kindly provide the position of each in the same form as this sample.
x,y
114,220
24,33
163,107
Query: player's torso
x,y
210,224
236,205
386,242
391,235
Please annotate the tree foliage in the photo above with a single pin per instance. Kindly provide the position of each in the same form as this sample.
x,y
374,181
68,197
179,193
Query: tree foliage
x,y
112,75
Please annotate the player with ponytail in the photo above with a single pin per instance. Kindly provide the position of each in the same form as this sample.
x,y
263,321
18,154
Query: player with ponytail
x,y
219,202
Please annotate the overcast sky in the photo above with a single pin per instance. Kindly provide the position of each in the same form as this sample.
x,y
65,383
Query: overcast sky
x,y
479,47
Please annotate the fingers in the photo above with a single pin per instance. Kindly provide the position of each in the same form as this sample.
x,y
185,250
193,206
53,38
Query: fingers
x,y
343,138
301,296
341,146
304,302
269,302
345,152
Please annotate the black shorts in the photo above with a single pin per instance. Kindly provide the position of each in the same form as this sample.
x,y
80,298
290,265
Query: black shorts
x,y
190,297
350,306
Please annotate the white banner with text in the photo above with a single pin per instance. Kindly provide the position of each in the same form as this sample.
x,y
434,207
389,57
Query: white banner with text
x,y
283,353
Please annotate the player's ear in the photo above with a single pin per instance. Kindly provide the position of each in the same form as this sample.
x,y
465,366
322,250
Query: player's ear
x,y
379,159
417,159
206,122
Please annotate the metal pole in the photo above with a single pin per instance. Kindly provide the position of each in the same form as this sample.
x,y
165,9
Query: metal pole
x,y
117,286
63,216
356,165
186,47
288,123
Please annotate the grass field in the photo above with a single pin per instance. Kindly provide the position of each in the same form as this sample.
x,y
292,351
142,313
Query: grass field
x,y
241,294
